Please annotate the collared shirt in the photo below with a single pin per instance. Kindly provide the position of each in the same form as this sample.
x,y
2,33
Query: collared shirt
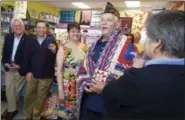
x,y
172,61
41,39
16,42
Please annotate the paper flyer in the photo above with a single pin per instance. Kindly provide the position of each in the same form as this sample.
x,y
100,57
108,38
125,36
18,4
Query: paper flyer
x,y
20,9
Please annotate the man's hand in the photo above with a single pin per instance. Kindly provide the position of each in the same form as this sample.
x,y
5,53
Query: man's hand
x,y
29,76
15,66
88,88
10,67
98,86
138,63
7,65
52,47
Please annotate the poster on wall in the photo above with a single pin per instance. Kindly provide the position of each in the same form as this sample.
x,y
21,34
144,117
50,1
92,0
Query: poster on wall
x,y
67,16
85,17
20,9
126,25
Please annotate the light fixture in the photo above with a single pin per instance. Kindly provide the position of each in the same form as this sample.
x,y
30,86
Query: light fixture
x,y
132,4
80,5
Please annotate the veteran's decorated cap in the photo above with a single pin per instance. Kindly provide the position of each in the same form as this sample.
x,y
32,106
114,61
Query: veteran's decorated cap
x,y
111,9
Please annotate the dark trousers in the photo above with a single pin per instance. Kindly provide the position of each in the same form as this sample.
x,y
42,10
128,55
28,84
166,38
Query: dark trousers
x,y
91,115
87,114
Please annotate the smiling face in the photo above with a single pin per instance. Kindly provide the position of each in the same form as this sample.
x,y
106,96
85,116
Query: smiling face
x,y
17,27
108,23
41,29
74,34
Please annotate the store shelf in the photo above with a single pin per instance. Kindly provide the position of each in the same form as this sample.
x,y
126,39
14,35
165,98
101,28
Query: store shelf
x,y
2,32
7,22
7,13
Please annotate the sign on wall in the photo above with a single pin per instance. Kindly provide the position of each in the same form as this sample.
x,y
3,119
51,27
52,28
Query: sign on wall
x,y
20,9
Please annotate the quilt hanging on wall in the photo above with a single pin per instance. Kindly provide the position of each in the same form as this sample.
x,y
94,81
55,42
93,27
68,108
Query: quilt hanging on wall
x,y
67,16
85,17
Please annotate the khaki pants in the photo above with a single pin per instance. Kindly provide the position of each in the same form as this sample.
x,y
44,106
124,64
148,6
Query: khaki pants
x,y
36,93
14,83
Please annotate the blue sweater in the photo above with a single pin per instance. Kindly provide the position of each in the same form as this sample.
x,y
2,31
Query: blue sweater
x,y
40,60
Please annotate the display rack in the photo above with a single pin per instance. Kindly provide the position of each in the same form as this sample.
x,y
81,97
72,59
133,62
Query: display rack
x,y
6,16
5,22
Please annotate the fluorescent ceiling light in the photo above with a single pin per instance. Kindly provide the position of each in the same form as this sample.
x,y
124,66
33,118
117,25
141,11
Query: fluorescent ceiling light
x,y
80,5
132,3
85,26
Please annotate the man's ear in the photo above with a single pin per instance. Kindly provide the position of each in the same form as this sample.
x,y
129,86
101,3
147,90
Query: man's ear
x,y
157,46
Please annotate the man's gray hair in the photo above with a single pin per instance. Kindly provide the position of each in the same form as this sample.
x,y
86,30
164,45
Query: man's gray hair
x,y
168,27
16,19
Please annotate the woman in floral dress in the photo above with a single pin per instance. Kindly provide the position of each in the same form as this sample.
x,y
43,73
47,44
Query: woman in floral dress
x,y
69,59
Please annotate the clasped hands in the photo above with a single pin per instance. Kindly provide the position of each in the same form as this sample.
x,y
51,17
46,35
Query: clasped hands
x,y
95,87
12,67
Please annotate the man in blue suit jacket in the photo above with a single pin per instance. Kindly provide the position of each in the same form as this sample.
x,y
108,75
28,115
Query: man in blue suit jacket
x,y
13,60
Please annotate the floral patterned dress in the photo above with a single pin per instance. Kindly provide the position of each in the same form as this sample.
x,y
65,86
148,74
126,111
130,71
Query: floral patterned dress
x,y
67,110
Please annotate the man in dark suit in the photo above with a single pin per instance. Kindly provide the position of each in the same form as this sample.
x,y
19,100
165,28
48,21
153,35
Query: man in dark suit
x,y
13,60
155,89
40,57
